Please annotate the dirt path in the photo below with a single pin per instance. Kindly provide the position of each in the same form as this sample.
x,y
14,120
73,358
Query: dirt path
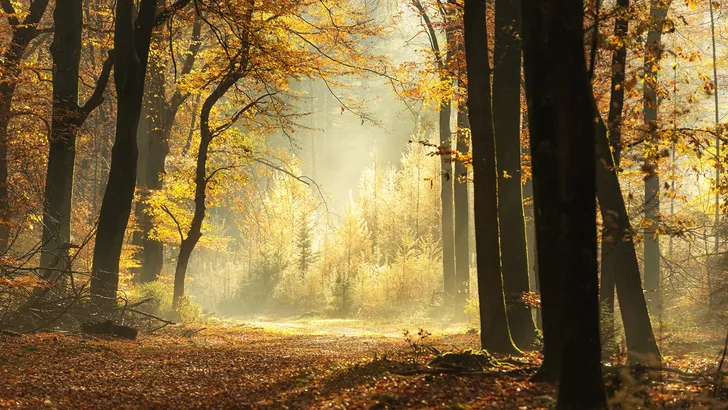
x,y
240,367
254,367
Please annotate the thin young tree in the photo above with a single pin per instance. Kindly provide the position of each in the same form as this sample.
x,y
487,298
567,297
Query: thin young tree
x,y
653,54
442,60
237,67
614,122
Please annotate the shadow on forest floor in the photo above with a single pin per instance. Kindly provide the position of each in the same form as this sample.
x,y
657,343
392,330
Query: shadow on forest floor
x,y
249,367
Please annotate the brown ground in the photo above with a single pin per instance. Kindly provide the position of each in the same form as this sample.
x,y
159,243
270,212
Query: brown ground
x,y
250,367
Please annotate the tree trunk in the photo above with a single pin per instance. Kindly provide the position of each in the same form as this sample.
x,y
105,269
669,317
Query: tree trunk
x,y
131,43
67,118
495,335
653,53
153,152
446,195
561,123
23,32
621,258
201,179
446,190
66,52
507,125
462,211
614,120
163,116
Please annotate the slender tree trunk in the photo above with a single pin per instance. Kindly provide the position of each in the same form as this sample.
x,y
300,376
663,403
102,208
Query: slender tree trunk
x,y
621,257
201,179
653,53
238,66
713,263
561,123
446,196
495,335
446,192
614,121
507,124
23,32
462,211
131,42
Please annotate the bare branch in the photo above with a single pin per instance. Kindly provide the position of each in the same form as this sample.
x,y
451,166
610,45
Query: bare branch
x,y
97,98
176,222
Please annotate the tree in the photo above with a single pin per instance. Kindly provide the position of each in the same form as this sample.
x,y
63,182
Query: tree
x,y
561,124
620,255
23,32
132,38
446,188
653,53
462,211
67,118
154,140
619,258
236,71
495,335
614,121
507,125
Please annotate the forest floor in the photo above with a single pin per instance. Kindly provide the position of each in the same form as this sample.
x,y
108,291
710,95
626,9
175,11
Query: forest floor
x,y
312,364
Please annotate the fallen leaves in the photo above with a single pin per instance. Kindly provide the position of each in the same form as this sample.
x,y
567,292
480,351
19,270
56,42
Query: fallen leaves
x,y
247,367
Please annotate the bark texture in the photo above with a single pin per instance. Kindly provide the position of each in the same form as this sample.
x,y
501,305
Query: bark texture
x,y
562,131
495,334
507,124
23,32
653,53
131,50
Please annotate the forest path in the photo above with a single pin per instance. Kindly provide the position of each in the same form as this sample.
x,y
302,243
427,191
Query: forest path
x,y
240,367
276,367
353,327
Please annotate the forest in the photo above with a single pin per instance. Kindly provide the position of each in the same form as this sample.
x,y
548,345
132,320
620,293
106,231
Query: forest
x,y
440,204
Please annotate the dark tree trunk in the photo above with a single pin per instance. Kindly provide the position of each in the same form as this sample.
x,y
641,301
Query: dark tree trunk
x,y
653,53
621,256
507,125
201,179
562,131
131,42
67,117
150,167
66,52
162,116
237,68
23,32
462,211
495,335
614,120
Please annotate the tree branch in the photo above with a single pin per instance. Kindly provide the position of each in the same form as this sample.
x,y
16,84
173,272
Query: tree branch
x,y
10,11
176,222
97,98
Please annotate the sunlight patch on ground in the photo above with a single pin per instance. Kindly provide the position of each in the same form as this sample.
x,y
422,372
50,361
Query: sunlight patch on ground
x,y
350,327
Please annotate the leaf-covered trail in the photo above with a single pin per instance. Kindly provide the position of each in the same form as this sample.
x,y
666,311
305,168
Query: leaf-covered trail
x,y
239,367
251,367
